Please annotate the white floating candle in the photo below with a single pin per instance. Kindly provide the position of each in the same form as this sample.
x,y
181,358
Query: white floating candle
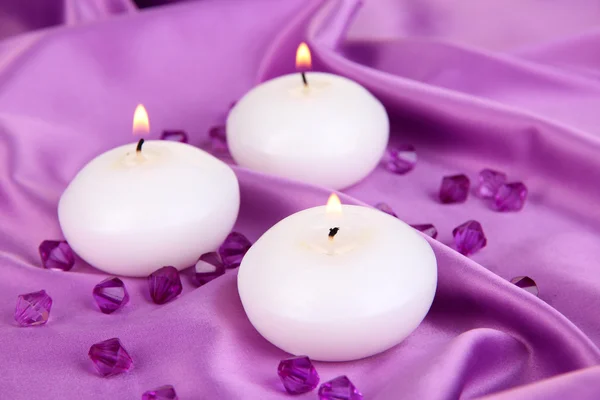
x,y
131,212
338,283
330,131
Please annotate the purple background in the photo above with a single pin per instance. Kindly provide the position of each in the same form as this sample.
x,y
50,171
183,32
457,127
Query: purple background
x,y
511,85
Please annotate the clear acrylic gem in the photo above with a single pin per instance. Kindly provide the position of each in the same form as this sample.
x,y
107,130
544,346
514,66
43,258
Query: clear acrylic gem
x,y
33,308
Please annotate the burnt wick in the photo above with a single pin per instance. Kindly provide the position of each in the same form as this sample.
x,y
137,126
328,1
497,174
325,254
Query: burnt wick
x,y
333,232
304,78
138,149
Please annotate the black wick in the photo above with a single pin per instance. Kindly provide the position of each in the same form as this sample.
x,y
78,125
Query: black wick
x,y
333,232
304,78
139,146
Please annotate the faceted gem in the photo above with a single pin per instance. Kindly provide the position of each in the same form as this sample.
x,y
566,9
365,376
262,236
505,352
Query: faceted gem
x,y
454,189
56,255
110,357
510,197
298,375
339,388
208,267
386,209
427,229
400,159
165,284
166,392
489,182
469,237
526,283
218,139
233,249
174,136
111,295
33,308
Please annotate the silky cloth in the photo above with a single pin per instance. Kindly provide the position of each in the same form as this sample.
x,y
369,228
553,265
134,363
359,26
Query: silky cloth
x,y
509,85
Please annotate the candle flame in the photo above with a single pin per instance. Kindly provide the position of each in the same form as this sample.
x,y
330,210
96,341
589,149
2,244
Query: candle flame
x,y
303,58
334,205
141,123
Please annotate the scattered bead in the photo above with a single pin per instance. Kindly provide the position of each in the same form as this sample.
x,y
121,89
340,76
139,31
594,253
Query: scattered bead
x,y
165,284
208,267
298,375
427,229
218,139
166,392
400,159
110,295
56,255
386,209
174,136
339,388
454,189
110,357
489,182
510,197
33,308
469,237
233,249
526,283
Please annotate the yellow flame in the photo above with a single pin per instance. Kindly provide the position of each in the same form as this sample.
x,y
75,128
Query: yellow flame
x,y
303,58
334,205
141,123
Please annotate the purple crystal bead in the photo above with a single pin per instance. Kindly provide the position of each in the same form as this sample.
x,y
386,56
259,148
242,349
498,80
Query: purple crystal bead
x,y
339,388
233,249
110,357
111,295
454,189
489,182
386,209
56,255
400,159
526,283
33,308
208,267
218,139
469,237
510,197
174,136
166,392
298,375
427,229
165,284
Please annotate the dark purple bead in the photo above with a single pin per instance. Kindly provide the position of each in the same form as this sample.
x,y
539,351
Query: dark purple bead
x,y
298,375
510,197
33,308
166,392
56,255
386,209
165,284
400,159
218,139
208,267
489,182
339,388
174,136
233,249
526,283
454,189
110,357
469,237
111,295
427,229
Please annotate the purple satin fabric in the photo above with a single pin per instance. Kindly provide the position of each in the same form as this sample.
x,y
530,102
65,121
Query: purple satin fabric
x,y
510,85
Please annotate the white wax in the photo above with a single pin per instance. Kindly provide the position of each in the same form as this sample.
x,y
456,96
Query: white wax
x,y
339,300
331,133
130,214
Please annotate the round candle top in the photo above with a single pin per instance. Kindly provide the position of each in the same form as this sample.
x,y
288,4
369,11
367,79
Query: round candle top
x,y
338,286
330,132
131,212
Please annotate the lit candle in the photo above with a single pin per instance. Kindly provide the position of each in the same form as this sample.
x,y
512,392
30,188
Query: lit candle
x,y
313,127
143,206
338,283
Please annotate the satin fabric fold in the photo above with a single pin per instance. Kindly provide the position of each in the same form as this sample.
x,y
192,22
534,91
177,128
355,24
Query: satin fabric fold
x,y
67,94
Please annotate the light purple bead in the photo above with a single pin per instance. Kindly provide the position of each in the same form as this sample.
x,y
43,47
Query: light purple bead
x,y
526,283
489,182
110,295
454,189
298,375
166,392
56,254
110,357
33,308
427,229
218,139
510,197
400,159
339,388
469,237
174,136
